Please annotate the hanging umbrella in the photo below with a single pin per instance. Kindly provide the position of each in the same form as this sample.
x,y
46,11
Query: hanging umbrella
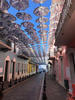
x,y
30,30
27,25
6,16
41,35
42,26
43,31
41,11
10,17
44,38
39,1
20,4
12,26
23,16
4,5
42,20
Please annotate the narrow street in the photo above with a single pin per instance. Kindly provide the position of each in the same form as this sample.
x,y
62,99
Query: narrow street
x,y
28,90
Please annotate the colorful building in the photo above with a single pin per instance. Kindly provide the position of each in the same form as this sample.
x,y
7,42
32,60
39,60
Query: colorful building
x,y
14,65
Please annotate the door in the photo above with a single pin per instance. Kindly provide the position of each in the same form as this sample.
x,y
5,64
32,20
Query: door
x,y
72,67
13,71
6,71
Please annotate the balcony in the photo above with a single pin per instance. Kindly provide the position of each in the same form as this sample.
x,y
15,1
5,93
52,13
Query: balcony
x,y
22,55
65,31
5,45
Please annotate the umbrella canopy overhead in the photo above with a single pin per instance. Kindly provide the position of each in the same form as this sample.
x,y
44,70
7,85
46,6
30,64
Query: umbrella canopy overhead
x,y
23,16
39,1
22,29
41,11
27,25
20,4
42,20
42,26
4,5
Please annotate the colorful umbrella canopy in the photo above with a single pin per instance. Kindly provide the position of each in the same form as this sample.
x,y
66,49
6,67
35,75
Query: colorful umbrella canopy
x,y
23,16
39,1
4,5
20,4
27,25
42,26
41,11
42,20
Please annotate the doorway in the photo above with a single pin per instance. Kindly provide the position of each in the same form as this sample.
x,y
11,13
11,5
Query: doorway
x,y
72,67
6,71
13,71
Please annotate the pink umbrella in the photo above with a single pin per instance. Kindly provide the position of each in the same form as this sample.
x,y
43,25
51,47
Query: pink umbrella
x,y
27,25
39,1
43,31
42,26
42,20
41,11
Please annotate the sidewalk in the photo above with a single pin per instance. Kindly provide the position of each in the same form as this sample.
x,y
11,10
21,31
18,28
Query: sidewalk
x,y
53,90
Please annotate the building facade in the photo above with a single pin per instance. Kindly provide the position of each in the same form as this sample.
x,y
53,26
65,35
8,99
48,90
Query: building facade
x,y
64,47
14,65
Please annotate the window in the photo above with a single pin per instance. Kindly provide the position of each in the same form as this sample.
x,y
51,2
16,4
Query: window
x,y
6,70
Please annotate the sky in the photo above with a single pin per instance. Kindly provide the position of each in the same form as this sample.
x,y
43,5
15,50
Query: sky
x,y
42,67
29,10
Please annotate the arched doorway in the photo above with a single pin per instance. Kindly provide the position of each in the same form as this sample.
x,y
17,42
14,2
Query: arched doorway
x,y
7,69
